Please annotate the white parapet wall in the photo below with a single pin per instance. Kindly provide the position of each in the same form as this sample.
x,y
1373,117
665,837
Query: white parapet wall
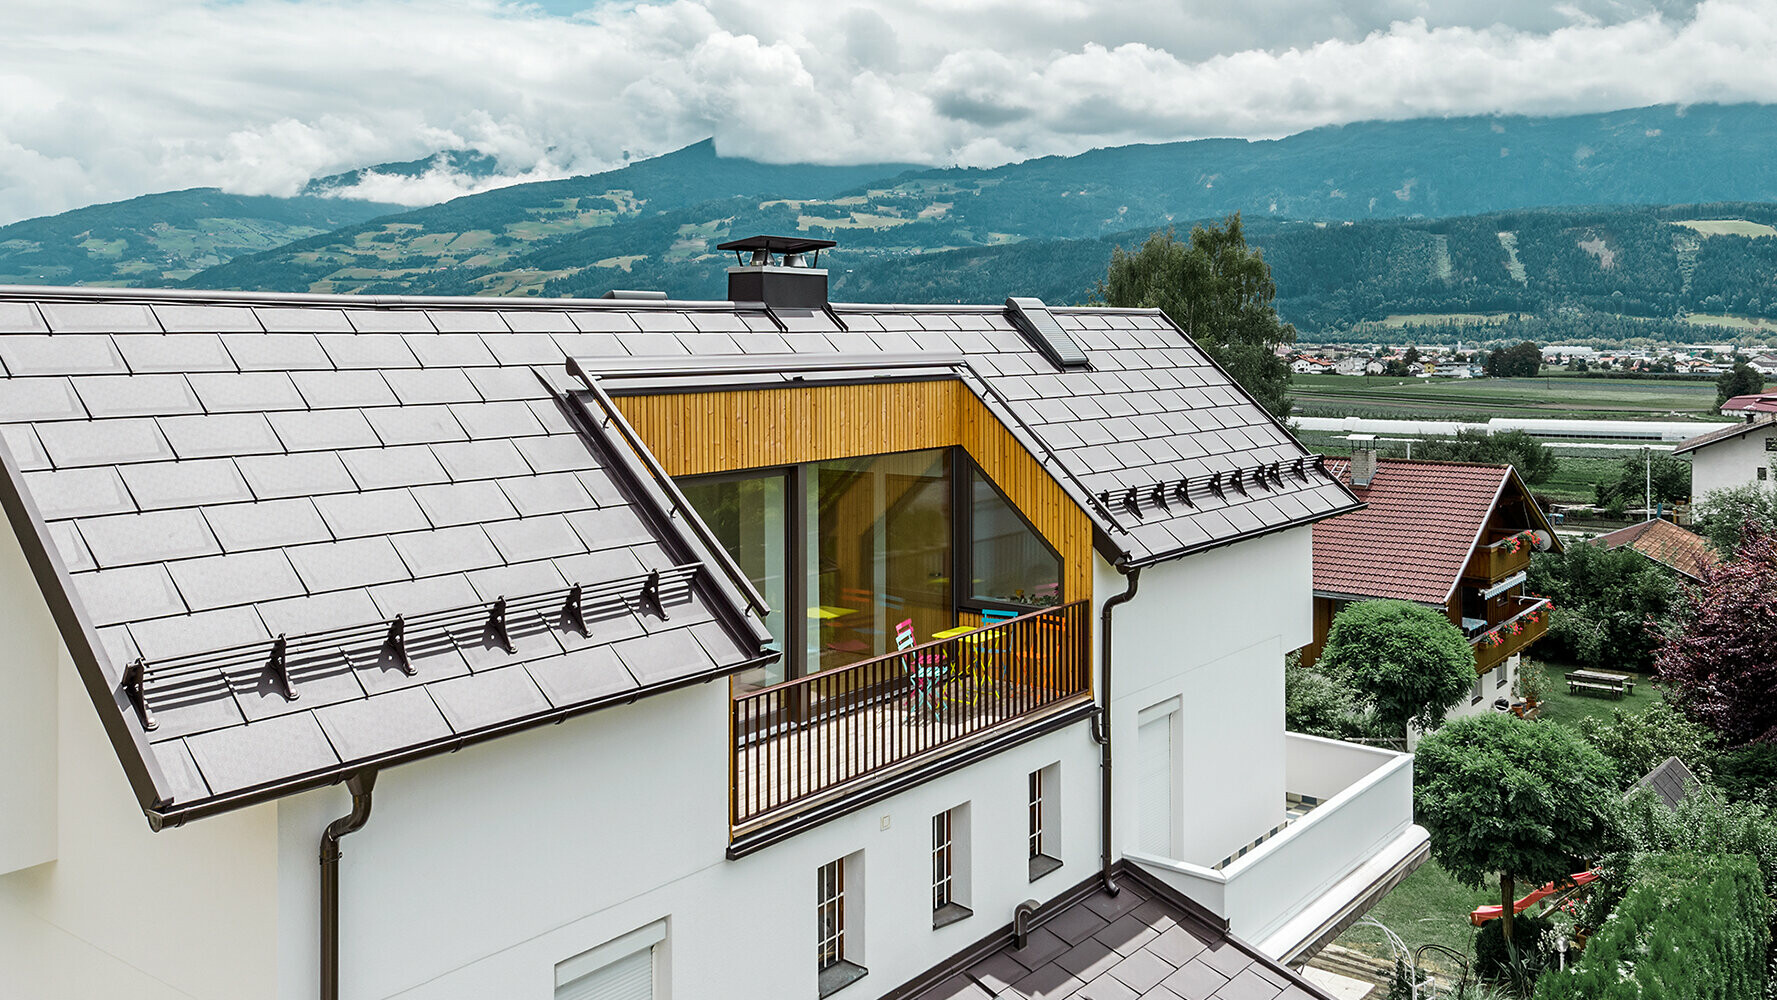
x,y
1305,870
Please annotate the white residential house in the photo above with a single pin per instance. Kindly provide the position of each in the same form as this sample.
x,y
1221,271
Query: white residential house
x,y
1736,455
765,647
1351,366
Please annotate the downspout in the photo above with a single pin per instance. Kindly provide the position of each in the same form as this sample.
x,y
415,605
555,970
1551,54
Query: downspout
x,y
1101,723
360,785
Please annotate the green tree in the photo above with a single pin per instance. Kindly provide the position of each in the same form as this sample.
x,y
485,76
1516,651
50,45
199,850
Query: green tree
x,y
1741,380
1636,743
1669,479
1605,600
1318,704
1521,361
1220,292
1722,515
1533,459
1407,663
1504,797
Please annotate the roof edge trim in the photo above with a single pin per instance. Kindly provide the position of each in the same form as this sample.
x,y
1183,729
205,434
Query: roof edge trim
x,y
80,638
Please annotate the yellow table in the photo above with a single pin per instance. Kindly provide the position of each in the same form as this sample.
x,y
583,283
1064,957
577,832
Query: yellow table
x,y
825,612
953,632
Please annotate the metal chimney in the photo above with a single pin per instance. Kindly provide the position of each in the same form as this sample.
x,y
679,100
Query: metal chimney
x,y
1363,459
794,282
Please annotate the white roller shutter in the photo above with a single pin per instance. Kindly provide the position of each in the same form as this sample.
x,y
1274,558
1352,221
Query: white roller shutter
x,y
1154,772
628,978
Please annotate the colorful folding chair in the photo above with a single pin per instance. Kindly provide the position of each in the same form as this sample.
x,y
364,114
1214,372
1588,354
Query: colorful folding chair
x,y
925,672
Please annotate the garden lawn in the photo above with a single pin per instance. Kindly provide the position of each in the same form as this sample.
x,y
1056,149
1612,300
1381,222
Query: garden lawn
x,y
1428,907
1560,706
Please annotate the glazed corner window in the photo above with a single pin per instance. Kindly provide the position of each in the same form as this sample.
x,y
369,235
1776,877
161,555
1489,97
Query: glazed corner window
x,y
1010,563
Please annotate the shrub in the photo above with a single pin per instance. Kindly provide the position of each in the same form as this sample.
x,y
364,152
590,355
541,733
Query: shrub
x,y
1494,963
1319,705
1749,773
1637,743
1690,927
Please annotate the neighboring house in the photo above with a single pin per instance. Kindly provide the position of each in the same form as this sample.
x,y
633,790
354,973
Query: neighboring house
x,y
625,648
1351,366
1453,536
1750,407
1764,364
1666,543
1375,368
1736,455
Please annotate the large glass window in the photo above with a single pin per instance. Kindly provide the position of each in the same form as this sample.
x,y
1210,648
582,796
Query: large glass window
x,y
881,548
747,514
867,548
1009,562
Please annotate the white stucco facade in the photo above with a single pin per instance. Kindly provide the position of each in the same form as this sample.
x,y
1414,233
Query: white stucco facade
x,y
1736,461
480,871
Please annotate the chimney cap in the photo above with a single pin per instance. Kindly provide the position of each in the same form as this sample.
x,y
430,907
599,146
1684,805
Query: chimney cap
x,y
777,244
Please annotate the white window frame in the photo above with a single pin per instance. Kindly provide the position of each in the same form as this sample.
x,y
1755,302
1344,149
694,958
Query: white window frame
x,y
943,861
830,898
1043,832
617,949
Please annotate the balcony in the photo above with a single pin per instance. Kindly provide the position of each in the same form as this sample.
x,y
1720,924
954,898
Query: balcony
x,y
1300,886
810,741
1499,559
1512,635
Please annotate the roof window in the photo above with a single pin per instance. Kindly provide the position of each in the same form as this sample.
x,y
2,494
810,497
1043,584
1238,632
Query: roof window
x,y
1032,318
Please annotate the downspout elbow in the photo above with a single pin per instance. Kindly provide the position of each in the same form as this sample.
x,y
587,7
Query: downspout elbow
x,y
360,786
1101,720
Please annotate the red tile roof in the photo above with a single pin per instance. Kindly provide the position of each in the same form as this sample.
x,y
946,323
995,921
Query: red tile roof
x,y
1665,543
1759,402
1415,537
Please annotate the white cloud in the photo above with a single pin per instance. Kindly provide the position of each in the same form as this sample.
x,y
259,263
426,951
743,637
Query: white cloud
x,y
106,99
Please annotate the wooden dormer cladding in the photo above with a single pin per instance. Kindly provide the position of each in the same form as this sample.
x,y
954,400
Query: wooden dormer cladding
x,y
702,432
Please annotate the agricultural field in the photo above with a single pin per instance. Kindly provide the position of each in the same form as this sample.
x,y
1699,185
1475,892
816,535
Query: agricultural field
x,y
1726,227
1480,399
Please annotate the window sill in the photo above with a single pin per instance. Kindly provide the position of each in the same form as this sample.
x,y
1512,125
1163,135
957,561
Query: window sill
x,y
949,914
1042,865
839,975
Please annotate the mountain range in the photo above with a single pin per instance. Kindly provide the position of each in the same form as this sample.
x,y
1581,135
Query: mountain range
x,y
1360,221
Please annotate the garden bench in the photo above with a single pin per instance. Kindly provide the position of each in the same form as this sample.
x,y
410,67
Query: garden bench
x,y
1615,685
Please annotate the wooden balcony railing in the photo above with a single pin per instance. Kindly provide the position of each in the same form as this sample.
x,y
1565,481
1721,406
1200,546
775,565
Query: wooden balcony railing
x,y
1500,559
1513,634
808,739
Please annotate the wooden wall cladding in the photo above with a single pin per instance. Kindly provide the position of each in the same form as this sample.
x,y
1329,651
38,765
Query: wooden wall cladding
x,y
696,433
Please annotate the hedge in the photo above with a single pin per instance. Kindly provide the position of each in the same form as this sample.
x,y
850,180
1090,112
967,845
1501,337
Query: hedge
x,y
1690,927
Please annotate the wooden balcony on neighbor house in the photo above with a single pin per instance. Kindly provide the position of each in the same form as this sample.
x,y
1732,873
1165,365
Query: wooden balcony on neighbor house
x,y
1524,627
1496,560
814,739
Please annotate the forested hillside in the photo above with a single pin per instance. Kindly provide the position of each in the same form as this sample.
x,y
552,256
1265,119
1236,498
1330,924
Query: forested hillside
x,y
655,224
161,239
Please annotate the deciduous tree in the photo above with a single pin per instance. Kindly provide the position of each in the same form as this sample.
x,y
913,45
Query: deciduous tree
x,y
1220,292
1719,666
1722,515
1504,797
1608,603
1407,662
1533,459
1741,380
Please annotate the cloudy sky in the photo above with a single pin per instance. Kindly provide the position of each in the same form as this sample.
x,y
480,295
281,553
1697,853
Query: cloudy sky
x,y
106,99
